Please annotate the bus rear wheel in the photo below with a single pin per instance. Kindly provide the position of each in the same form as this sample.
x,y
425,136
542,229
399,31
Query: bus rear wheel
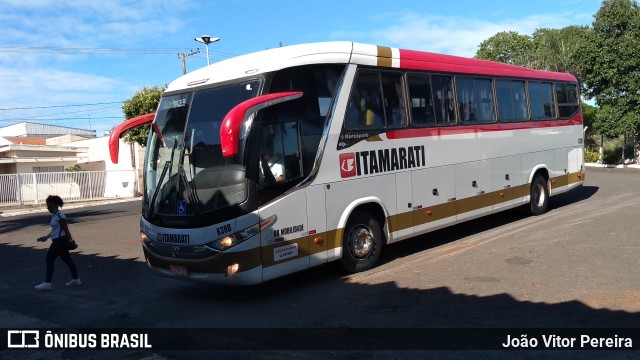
x,y
539,196
361,243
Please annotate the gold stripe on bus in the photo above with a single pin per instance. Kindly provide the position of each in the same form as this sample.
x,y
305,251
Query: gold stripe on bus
x,y
473,203
434,213
403,221
374,138
509,194
442,211
559,181
330,240
384,56
333,238
576,177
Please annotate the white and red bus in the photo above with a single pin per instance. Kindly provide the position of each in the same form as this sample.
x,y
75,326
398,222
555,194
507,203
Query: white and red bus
x,y
273,162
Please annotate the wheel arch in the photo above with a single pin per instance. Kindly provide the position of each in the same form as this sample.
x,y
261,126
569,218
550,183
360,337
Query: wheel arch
x,y
373,206
539,170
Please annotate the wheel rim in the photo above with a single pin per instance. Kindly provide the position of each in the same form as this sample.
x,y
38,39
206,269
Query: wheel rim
x,y
360,241
541,196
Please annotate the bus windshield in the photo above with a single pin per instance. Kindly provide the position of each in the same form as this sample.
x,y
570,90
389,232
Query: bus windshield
x,y
185,172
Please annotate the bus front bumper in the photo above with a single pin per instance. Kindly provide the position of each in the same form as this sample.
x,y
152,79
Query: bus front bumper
x,y
227,268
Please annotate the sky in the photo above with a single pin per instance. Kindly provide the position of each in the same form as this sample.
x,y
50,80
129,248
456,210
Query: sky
x,y
73,62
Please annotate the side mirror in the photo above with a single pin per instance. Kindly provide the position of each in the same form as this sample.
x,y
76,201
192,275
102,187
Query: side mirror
x,y
232,122
121,129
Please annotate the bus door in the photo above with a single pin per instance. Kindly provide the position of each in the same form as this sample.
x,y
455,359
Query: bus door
x,y
285,243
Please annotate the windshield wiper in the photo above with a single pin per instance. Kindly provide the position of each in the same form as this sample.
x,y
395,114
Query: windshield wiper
x,y
191,191
167,164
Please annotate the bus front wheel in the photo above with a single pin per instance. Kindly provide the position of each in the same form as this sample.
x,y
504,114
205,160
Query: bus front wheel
x,y
539,196
361,243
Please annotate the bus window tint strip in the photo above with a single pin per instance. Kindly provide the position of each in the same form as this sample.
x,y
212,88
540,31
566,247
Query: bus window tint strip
x,y
567,97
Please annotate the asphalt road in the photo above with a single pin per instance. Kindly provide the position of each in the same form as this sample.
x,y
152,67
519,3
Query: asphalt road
x,y
577,266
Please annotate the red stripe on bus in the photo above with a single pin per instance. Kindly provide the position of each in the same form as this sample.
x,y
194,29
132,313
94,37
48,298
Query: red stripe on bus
x,y
469,129
419,60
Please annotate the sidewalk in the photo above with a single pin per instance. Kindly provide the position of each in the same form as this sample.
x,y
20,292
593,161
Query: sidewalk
x,y
616,166
6,211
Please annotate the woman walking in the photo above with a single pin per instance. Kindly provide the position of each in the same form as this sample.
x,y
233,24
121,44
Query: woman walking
x,y
60,237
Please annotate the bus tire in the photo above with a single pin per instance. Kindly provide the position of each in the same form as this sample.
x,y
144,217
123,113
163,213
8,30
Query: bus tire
x,y
361,243
539,196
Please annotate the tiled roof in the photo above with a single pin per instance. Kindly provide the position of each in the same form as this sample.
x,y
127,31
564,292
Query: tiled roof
x,y
27,140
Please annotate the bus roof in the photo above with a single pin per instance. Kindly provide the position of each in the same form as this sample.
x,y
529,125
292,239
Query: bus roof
x,y
343,52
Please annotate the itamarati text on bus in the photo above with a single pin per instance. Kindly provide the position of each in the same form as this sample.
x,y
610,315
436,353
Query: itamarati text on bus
x,y
273,162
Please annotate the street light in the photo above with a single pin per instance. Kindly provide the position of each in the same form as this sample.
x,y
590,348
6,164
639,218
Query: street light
x,y
206,40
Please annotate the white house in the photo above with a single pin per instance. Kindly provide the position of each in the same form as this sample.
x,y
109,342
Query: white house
x,y
29,129
39,148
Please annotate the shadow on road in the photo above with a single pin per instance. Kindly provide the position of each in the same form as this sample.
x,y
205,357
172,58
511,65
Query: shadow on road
x,y
122,293
74,216
119,293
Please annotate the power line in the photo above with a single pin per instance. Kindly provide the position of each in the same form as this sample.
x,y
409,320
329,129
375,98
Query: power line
x,y
81,50
61,119
60,106
24,49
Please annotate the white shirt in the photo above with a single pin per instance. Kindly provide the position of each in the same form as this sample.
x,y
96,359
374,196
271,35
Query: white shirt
x,y
276,169
56,228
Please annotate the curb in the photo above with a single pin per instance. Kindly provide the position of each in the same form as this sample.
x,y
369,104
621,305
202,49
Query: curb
x,y
70,205
613,166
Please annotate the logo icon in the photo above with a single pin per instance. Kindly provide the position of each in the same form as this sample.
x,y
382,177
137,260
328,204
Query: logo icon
x,y
347,165
181,207
21,339
175,251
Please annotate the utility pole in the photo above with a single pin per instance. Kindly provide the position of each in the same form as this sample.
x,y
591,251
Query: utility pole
x,y
184,64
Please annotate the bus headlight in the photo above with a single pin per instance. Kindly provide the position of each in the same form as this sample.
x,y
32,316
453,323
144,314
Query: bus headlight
x,y
224,243
144,237
235,239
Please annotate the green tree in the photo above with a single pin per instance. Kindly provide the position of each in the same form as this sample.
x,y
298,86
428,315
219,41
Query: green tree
x,y
507,47
144,101
610,64
556,49
589,116
75,167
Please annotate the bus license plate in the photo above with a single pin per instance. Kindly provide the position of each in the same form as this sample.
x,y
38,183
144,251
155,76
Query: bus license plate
x,y
179,270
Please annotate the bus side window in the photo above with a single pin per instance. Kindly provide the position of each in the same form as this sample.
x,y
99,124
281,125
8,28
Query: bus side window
x,y
279,154
376,101
364,106
512,105
475,99
541,100
484,96
443,99
567,97
519,100
421,100
392,94
467,106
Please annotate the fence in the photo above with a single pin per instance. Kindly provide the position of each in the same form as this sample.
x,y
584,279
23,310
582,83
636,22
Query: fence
x,y
33,188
